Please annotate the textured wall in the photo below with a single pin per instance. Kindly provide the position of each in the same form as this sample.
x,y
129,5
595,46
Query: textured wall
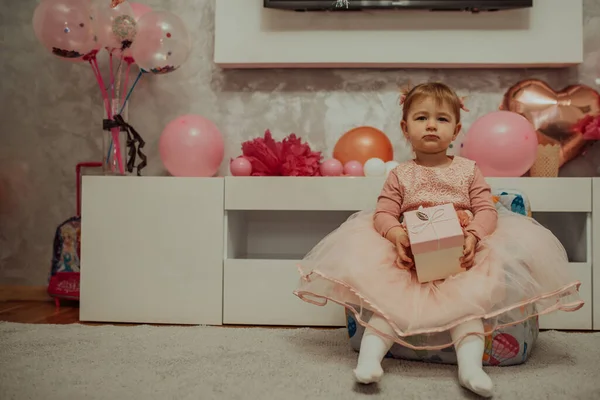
x,y
51,114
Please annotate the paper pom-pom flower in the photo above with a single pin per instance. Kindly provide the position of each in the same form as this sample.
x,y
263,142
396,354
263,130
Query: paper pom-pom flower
x,y
289,157
589,127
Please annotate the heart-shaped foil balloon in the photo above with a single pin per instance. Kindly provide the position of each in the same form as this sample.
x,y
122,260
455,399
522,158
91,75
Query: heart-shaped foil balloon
x,y
554,114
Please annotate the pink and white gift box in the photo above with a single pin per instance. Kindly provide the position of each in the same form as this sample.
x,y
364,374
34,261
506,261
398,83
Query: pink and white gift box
x,y
436,241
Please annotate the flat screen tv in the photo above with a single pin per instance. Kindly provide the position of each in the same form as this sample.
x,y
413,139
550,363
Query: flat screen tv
x,y
431,5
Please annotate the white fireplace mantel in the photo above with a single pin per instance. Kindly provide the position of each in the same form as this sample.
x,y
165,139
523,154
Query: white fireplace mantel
x,y
249,36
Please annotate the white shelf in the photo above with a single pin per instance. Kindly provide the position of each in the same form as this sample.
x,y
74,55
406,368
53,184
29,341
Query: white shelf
x,y
357,193
548,35
551,194
260,292
301,193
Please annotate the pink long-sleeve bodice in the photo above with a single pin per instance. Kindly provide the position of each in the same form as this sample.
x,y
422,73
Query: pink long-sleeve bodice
x,y
410,185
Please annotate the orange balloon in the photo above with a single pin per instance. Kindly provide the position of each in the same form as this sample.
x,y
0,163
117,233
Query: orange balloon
x,y
362,143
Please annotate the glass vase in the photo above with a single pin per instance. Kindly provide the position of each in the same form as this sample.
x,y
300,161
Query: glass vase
x,y
114,144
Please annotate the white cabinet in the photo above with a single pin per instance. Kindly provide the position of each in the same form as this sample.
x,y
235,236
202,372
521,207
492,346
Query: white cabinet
x,y
271,222
225,250
259,292
151,250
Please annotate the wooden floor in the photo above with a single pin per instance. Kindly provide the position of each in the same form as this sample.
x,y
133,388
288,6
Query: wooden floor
x,y
46,312
39,312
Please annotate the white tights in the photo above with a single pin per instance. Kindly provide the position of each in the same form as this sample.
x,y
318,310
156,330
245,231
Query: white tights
x,y
469,353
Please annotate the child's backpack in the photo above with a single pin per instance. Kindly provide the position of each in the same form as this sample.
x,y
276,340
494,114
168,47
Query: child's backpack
x,y
64,274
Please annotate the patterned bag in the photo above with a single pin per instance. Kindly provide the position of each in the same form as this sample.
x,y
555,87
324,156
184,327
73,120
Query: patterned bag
x,y
64,274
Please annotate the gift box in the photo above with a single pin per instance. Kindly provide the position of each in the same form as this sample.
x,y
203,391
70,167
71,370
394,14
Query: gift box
x,y
436,241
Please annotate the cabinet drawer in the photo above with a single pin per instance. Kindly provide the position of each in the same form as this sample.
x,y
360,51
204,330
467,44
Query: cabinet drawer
x,y
260,292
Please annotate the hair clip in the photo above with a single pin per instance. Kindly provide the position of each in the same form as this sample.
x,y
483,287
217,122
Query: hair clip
x,y
402,99
462,104
403,93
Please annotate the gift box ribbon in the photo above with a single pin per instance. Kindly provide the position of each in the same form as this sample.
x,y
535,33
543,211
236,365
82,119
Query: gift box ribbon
x,y
437,216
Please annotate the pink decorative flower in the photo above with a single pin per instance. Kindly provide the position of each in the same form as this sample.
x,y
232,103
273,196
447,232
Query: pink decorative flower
x,y
289,157
589,127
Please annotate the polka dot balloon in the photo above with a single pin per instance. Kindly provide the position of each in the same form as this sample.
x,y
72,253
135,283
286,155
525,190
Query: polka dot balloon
x,y
115,26
63,27
163,43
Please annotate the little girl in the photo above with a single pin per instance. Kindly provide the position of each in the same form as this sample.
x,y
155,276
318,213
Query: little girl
x,y
514,268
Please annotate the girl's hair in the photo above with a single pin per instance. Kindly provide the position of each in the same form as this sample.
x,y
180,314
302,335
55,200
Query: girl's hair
x,y
439,91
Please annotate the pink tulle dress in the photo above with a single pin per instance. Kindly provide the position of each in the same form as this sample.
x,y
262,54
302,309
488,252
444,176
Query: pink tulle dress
x,y
521,269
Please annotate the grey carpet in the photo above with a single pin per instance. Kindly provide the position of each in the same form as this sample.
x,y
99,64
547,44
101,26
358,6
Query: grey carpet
x,y
202,363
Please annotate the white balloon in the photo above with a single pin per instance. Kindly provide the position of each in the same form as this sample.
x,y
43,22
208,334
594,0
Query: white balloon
x,y
374,167
390,165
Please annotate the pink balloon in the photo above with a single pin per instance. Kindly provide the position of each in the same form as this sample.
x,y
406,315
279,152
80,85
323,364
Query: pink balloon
x,y
114,26
139,9
240,167
331,167
353,168
162,43
502,143
64,27
191,145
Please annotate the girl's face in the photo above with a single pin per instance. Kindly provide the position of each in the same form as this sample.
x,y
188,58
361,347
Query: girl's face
x,y
430,127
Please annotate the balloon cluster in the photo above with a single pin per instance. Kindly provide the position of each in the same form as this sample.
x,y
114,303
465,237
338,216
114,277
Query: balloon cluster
x,y
373,167
362,151
77,30
536,130
556,115
157,41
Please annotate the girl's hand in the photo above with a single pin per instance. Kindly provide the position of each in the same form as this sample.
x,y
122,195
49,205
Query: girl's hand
x,y
399,237
469,251
464,217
